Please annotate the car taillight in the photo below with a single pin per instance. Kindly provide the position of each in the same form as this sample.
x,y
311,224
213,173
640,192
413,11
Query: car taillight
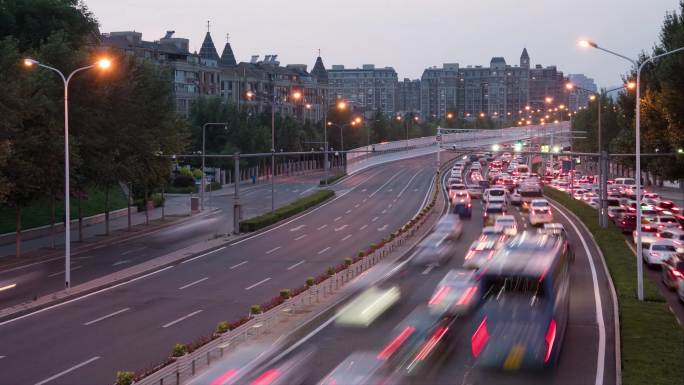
x,y
677,273
396,343
467,296
654,254
267,377
439,295
224,377
431,343
550,339
480,338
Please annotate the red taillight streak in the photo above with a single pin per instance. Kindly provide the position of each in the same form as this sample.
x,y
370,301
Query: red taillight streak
x,y
480,338
267,377
432,342
467,296
550,339
439,295
225,377
677,273
396,343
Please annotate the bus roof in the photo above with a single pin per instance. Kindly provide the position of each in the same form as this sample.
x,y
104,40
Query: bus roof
x,y
528,254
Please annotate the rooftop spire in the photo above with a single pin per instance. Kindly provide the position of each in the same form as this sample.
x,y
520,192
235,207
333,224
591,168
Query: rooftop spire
x,y
208,50
227,57
319,72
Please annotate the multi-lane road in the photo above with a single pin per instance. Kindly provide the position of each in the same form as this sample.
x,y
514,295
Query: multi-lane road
x,y
588,355
134,325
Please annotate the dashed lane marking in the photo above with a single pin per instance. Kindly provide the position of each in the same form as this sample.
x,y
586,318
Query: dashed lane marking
x,y
181,319
193,283
347,237
296,264
273,250
71,369
322,227
258,283
107,316
324,250
341,228
300,237
238,265
363,227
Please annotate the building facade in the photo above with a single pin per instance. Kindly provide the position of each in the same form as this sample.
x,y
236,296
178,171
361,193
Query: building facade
x,y
208,74
408,96
368,89
579,98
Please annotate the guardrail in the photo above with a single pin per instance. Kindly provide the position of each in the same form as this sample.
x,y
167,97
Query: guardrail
x,y
177,370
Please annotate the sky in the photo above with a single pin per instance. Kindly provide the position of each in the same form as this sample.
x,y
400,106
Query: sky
x,y
408,35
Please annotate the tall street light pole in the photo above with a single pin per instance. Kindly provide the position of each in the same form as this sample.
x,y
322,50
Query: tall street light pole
x,y
638,68
203,185
103,64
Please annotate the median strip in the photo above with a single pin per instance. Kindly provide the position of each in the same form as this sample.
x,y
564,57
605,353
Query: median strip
x,y
287,211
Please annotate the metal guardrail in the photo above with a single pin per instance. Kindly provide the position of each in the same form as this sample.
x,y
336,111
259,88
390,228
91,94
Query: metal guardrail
x,y
185,367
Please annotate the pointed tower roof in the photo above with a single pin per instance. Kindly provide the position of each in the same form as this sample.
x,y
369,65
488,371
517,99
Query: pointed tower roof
x,y
227,57
525,59
208,50
524,53
319,71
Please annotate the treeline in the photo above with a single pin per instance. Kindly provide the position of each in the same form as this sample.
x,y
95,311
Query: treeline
x,y
121,119
662,109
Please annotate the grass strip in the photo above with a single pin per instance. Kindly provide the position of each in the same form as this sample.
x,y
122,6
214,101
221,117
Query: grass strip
x,y
652,341
284,212
332,178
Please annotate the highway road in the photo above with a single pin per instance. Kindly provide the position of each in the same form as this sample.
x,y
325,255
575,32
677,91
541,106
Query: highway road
x,y
47,277
134,325
588,355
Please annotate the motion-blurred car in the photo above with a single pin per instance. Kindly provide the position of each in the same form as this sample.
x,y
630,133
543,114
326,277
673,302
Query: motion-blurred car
x,y
455,294
507,223
673,271
491,211
655,253
360,368
433,251
475,191
368,306
462,203
449,228
482,251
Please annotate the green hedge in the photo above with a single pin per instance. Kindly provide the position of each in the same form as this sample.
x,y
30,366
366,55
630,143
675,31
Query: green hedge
x,y
213,186
332,178
652,341
284,212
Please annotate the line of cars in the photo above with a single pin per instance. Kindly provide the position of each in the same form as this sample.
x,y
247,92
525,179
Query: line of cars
x,y
662,222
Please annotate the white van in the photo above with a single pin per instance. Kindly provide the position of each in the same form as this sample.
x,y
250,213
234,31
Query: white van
x,y
496,195
624,182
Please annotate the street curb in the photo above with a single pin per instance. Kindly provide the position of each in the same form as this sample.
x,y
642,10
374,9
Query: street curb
x,y
616,311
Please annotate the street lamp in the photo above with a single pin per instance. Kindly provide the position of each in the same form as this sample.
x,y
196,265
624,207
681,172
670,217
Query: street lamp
x,y
638,68
103,64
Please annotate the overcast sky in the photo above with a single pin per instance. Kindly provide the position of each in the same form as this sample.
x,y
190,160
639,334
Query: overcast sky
x,y
408,35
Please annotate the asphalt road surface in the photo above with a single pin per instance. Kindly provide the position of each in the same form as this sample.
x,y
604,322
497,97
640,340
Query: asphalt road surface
x,y
588,353
135,325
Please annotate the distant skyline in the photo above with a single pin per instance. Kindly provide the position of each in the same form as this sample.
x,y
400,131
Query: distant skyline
x,y
409,35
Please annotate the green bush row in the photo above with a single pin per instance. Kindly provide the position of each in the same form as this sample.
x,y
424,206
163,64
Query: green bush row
x,y
652,341
284,212
332,178
213,186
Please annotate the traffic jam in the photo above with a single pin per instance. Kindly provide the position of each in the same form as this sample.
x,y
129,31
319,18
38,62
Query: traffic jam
x,y
506,304
662,221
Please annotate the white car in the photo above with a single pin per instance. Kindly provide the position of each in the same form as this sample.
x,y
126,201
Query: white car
x,y
482,250
496,195
507,223
516,198
658,252
455,294
649,234
594,202
663,222
456,189
540,215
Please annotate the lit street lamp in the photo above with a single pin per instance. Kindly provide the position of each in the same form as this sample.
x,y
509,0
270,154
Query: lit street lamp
x,y
103,64
637,68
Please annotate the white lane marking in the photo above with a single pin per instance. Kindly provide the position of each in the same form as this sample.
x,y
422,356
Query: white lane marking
x,y
133,251
383,228
306,191
442,240
107,316
407,185
384,211
337,219
347,212
341,228
1,357
71,369
85,296
428,269
62,272
183,318
300,237
203,255
322,227
386,183
273,250
356,206
238,265
296,264
122,262
250,287
347,237
390,190
193,283
365,200
324,250
375,219
389,206
295,190
363,227
298,228
364,190
601,358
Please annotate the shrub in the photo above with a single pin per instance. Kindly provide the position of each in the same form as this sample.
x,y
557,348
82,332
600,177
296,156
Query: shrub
x,y
373,246
310,281
186,171
287,211
183,181
285,293
255,309
222,327
179,350
332,178
197,173
331,270
360,254
348,261
124,378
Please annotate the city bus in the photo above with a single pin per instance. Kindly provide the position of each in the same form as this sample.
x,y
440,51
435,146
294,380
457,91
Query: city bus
x,y
523,313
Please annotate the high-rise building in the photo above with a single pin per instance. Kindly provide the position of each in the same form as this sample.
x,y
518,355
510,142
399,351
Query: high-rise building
x,y
498,91
579,97
208,74
368,89
408,95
